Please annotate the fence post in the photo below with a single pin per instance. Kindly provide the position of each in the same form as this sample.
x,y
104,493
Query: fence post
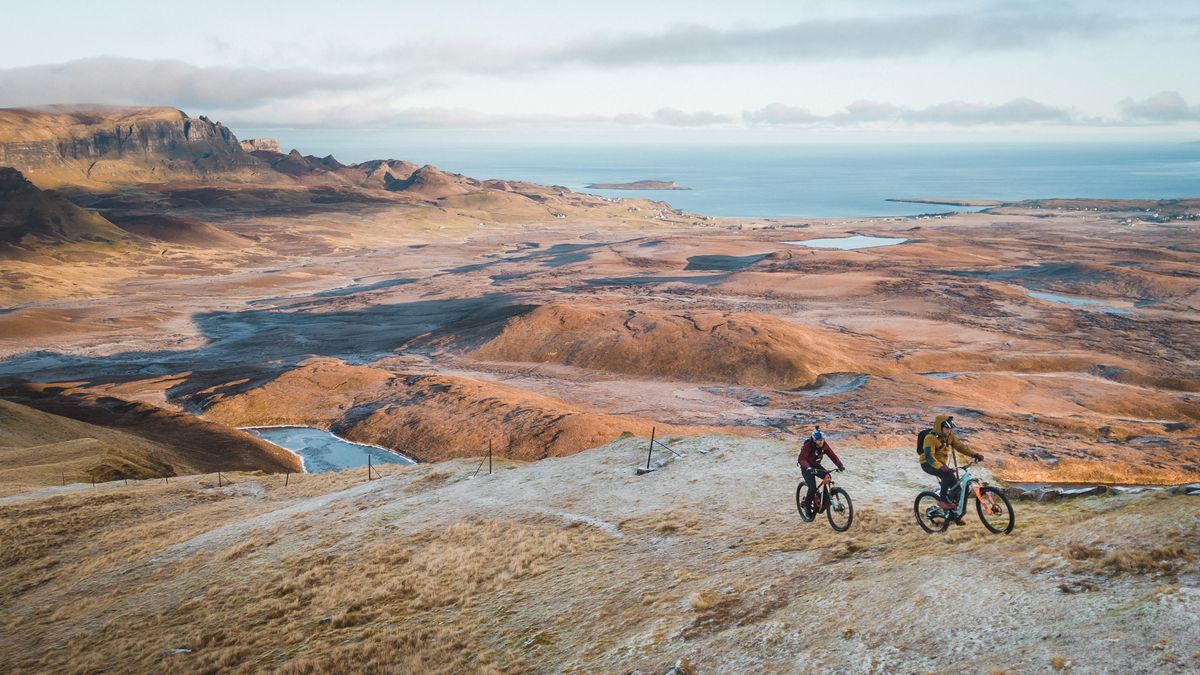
x,y
489,456
368,466
287,478
64,478
651,450
219,483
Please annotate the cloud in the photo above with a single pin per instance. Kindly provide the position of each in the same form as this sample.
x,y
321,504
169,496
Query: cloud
x,y
997,29
125,81
991,28
1163,107
950,113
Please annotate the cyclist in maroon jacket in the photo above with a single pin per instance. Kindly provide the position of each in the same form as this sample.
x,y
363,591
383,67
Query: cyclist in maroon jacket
x,y
811,453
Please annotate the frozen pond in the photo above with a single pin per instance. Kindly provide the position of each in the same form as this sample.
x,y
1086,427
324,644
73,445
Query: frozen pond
x,y
1078,303
323,451
849,243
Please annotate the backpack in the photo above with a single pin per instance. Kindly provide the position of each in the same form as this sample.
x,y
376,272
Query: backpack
x,y
921,440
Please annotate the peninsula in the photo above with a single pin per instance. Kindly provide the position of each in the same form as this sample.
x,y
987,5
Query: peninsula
x,y
639,185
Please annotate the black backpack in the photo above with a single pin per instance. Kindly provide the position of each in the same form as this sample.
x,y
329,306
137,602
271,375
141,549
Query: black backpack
x,y
921,440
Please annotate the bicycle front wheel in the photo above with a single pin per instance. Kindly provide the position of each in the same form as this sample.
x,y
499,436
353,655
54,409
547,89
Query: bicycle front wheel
x,y
840,510
805,515
929,515
995,511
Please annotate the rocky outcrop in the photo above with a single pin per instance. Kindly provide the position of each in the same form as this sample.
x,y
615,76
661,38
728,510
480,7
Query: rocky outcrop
x,y
260,144
95,144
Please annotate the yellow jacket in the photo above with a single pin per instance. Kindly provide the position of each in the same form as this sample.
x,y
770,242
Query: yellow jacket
x,y
936,448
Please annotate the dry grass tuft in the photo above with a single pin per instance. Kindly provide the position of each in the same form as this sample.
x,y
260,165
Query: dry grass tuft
x,y
669,523
428,482
1059,663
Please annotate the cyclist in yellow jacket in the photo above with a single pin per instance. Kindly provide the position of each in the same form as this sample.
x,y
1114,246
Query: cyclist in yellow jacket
x,y
935,453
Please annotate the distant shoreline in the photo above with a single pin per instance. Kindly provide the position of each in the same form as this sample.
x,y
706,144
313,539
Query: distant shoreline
x,y
951,202
638,185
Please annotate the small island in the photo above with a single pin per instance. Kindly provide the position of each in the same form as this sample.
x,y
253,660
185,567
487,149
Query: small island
x,y
639,185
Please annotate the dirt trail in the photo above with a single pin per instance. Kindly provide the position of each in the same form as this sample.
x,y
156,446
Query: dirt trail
x,y
579,563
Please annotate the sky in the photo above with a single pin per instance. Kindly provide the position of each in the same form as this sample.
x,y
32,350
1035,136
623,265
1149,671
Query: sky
x,y
748,70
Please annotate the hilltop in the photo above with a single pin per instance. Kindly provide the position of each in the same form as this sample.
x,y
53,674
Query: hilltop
x,y
578,564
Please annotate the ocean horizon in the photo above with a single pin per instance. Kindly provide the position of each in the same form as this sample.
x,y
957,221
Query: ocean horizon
x,y
796,180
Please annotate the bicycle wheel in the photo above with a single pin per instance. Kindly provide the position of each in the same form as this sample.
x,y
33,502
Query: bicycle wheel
x,y
929,515
805,515
995,511
840,510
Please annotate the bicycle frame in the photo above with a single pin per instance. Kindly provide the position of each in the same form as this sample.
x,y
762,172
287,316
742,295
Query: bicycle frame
x,y
970,485
823,488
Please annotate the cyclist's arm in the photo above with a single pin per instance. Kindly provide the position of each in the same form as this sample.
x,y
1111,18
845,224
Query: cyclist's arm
x,y
963,448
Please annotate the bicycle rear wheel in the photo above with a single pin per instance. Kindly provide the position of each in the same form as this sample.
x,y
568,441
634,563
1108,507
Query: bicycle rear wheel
x,y
929,515
805,515
995,511
840,510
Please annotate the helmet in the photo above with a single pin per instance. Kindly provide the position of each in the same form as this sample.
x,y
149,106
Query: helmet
x,y
949,423
817,436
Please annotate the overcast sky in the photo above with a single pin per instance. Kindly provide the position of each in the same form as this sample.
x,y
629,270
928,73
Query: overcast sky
x,y
748,69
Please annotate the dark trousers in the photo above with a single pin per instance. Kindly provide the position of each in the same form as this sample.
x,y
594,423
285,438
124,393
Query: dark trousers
x,y
945,476
810,479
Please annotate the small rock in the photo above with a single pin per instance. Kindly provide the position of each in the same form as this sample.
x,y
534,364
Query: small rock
x,y
176,650
325,619
1093,491
1047,495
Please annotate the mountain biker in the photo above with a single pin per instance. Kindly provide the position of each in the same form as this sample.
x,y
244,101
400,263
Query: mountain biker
x,y
935,451
811,453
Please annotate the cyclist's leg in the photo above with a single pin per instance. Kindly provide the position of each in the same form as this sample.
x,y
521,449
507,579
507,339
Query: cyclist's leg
x,y
946,475
811,481
937,473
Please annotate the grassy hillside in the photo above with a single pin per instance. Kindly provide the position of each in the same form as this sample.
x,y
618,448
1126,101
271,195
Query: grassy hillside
x,y
48,436
577,564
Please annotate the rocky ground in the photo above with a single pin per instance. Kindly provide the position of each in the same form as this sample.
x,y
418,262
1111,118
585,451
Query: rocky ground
x,y
577,564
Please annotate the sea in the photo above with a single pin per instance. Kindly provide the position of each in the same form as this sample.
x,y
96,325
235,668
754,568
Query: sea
x,y
795,180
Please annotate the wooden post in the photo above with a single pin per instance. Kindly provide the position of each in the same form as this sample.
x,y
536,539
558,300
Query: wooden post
x,y
219,483
489,456
287,478
651,450
64,478
126,479
368,466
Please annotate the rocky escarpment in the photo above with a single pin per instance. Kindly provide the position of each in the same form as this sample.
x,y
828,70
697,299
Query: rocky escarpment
x,y
260,144
58,145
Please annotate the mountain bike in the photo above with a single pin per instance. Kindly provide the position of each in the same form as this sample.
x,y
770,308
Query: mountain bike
x,y
992,506
831,500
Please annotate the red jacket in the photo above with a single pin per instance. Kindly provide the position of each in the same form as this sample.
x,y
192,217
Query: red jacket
x,y
811,453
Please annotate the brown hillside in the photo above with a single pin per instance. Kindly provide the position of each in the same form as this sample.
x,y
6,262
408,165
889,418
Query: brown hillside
x,y
428,417
31,219
176,230
739,348
428,182
122,438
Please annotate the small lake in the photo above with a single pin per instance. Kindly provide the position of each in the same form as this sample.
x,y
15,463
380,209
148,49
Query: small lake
x,y
323,451
1078,303
849,243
